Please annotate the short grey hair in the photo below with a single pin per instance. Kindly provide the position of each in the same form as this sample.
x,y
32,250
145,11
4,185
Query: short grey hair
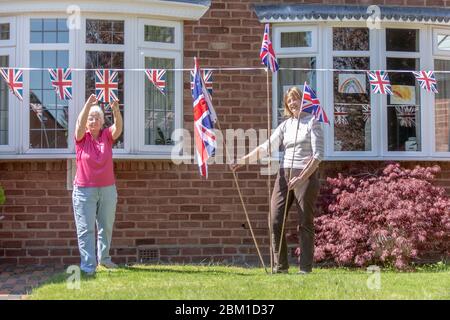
x,y
97,109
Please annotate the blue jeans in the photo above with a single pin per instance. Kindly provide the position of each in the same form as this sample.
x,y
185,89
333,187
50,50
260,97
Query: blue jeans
x,y
91,206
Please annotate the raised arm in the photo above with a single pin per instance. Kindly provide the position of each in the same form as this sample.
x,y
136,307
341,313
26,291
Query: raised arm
x,y
261,150
80,127
117,127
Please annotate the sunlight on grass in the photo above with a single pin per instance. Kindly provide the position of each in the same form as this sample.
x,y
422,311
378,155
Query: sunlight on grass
x,y
221,282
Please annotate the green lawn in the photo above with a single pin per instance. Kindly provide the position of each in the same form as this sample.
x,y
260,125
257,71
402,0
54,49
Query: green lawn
x,y
221,282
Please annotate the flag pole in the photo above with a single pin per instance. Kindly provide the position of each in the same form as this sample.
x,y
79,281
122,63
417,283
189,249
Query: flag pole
x,y
290,176
234,175
269,220
242,201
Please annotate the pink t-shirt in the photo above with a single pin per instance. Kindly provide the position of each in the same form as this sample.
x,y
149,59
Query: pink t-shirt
x,y
94,160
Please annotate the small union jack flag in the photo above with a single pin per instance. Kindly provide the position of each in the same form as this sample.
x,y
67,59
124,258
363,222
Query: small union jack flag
x,y
406,115
158,78
311,104
267,53
62,82
204,119
427,80
366,112
106,85
379,82
14,80
207,78
340,115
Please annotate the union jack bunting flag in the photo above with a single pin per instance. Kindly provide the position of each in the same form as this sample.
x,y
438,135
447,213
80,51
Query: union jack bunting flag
x,y
340,115
158,78
204,118
14,80
427,80
267,53
379,82
207,78
106,85
62,82
406,115
366,112
311,104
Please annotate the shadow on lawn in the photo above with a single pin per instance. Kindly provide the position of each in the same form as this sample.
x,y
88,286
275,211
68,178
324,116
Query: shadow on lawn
x,y
175,269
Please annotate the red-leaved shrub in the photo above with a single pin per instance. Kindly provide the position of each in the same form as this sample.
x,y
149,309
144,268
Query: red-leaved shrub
x,y
392,217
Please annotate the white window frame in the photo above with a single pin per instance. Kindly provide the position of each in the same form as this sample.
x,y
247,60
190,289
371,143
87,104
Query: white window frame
x,y
297,52
436,50
314,29
425,123
127,50
178,41
160,150
435,153
12,32
374,114
24,111
13,104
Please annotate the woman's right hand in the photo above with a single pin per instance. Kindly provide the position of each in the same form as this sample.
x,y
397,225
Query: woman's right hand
x,y
92,100
234,166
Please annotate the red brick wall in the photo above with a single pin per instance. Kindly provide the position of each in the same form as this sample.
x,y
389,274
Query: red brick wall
x,y
162,205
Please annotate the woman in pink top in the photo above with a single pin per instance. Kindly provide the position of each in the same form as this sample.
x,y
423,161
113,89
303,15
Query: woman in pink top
x,y
94,194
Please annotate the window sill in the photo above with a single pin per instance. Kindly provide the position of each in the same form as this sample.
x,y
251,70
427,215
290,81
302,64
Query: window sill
x,y
131,156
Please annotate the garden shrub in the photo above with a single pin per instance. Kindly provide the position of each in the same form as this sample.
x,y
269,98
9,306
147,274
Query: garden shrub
x,y
392,217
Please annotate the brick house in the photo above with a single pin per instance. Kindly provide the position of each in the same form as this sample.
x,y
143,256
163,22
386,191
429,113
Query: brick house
x,y
166,212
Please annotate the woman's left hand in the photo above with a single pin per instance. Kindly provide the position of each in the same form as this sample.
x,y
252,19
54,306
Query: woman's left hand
x,y
295,181
115,106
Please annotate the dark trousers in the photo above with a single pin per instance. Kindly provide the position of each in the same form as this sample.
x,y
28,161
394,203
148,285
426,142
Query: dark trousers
x,y
305,199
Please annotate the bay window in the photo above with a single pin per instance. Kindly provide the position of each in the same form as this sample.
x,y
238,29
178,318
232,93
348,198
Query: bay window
x,y
411,123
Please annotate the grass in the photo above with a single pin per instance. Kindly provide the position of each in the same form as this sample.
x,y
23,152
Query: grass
x,y
186,282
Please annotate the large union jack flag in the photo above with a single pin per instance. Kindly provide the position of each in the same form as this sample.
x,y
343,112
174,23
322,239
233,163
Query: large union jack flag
x,y
207,78
106,85
267,53
14,80
62,82
379,82
311,104
427,80
158,78
204,118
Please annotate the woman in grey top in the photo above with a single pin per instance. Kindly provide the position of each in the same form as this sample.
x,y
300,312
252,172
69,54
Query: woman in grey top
x,y
303,151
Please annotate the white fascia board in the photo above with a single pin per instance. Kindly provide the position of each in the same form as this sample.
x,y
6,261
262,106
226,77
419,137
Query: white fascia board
x,y
154,8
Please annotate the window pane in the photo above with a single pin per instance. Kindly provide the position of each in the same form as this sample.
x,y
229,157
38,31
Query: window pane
x,y
4,31
159,34
402,40
48,31
4,100
296,39
50,25
36,25
104,31
442,106
106,60
63,37
403,110
48,114
443,42
356,39
352,113
290,78
159,109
